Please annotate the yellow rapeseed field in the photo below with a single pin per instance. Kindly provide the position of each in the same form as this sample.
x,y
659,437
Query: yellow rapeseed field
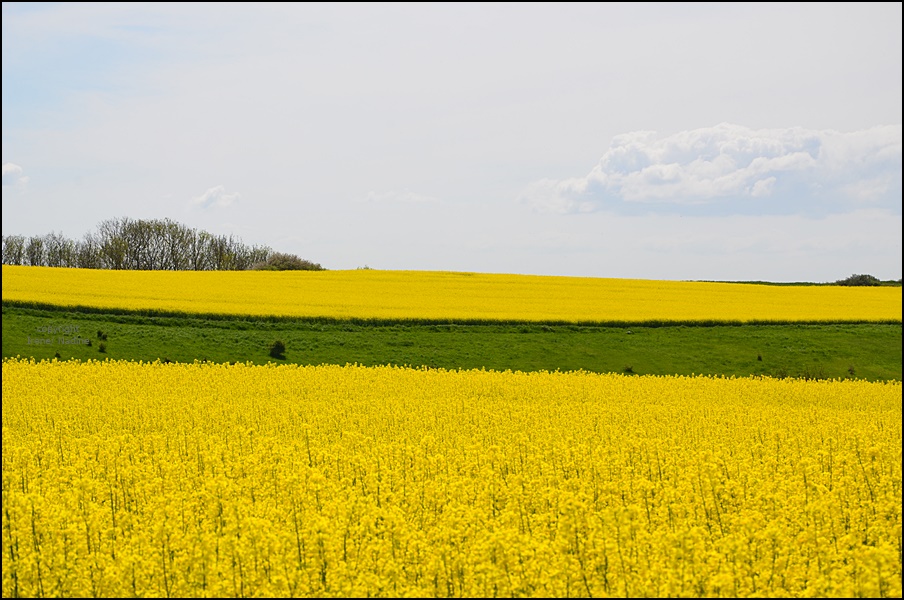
x,y
130,479
371,294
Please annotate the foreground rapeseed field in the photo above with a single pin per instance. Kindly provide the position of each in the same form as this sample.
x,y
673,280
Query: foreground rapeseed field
x,y
129,479
422,295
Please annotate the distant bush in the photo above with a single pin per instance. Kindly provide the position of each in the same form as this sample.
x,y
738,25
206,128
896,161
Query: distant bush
x,y
859,280
280,261
278,349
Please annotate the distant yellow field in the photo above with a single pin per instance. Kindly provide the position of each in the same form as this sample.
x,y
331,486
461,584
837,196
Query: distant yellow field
x,y
372,294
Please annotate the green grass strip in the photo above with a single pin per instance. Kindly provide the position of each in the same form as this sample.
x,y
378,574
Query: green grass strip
x,y
869,351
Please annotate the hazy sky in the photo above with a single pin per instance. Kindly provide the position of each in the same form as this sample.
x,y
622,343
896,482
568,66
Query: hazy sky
x,y
656,141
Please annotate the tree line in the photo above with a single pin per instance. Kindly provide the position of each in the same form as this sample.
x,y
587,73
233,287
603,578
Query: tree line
x,y
147,245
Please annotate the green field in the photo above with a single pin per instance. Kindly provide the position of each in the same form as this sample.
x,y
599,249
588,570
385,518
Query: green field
x,y
836,351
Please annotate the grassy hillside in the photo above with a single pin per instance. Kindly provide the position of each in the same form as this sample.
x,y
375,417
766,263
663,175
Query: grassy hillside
x,y
868,351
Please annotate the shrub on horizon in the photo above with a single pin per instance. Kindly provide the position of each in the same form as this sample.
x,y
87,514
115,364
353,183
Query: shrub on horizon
x,y
280,261
859,280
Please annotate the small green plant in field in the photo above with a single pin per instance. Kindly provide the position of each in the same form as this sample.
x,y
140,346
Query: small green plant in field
x,y
813,373
278,349
102,347
809,373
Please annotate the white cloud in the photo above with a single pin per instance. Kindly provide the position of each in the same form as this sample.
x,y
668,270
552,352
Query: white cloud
x,y
216,197
13,177
794,168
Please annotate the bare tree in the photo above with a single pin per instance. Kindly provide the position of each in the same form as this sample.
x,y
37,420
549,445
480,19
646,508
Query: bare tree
x,y
13,250
35,254
59,250
88,253
176,243
113,243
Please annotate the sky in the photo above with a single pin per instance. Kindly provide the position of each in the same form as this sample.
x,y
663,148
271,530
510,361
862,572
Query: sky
x,y
675,141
